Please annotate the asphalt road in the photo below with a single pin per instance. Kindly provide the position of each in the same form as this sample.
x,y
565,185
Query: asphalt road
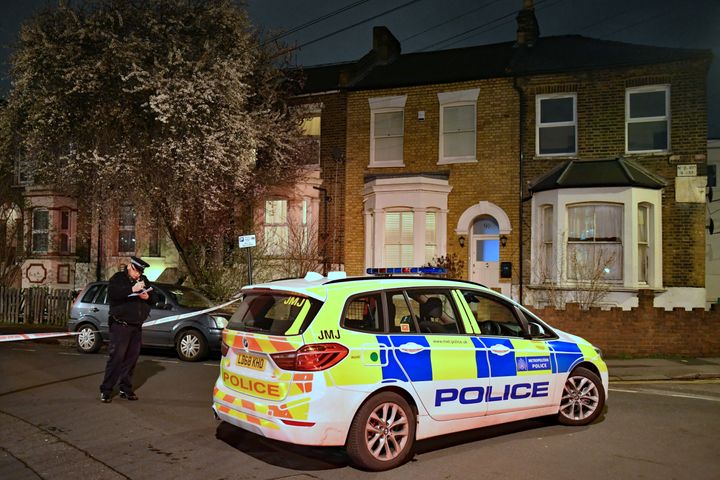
x,y
53,426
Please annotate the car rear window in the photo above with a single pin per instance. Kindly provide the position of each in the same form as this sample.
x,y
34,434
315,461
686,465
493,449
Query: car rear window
x,y
274,313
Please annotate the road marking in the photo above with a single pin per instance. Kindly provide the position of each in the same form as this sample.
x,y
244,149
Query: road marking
x,y
24,349
664,393
211,364
164,361
71,353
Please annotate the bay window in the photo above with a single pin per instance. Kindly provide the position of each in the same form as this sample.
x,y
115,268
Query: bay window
x,y
594,247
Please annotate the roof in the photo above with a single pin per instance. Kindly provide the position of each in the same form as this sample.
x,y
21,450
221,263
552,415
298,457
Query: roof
x,y
548,55
617,172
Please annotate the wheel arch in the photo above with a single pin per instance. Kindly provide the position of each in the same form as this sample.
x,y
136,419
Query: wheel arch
x,y
587,365
389,388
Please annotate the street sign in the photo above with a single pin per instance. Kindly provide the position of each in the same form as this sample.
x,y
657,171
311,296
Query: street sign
x,y
245,241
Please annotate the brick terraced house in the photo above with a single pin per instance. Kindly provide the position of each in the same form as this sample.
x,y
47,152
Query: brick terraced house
x,y
551,166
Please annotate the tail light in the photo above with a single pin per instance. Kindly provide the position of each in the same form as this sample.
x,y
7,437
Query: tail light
x,y
224,348
311,358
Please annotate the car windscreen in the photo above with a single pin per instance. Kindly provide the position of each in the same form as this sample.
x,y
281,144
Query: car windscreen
x,y
274,313
188,298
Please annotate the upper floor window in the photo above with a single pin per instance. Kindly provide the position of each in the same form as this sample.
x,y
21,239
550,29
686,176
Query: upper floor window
x,y
556,124
458,126
594,247
311,129
126,230
276,228
387,119
40,230
647,119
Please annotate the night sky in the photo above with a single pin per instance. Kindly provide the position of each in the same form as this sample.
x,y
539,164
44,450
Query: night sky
x,y
423,25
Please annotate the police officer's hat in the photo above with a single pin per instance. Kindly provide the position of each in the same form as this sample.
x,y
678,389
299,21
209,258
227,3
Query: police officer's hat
x,y
139,264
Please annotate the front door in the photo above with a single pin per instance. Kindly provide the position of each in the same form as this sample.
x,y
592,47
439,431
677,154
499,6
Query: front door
x,y
485,252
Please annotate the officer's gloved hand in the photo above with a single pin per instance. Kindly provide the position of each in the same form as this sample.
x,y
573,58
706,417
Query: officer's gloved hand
x,y
138,286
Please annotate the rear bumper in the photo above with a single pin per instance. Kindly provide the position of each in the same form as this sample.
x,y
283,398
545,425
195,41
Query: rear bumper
x,y
324,425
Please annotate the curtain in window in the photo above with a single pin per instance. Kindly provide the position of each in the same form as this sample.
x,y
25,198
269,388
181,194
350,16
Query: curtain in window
x,y
275,230
430,236
594,250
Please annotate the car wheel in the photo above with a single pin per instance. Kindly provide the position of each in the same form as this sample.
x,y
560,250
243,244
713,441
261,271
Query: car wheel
x,y
583,398
382,433
88,339
191,346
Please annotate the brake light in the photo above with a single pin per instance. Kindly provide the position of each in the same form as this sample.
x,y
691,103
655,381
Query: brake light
x,y
311,358
224,348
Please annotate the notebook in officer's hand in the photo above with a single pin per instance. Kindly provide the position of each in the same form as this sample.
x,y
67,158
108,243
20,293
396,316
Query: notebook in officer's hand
x,y
137,294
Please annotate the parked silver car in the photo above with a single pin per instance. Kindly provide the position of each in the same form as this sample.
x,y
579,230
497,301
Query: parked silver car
x,y
192,337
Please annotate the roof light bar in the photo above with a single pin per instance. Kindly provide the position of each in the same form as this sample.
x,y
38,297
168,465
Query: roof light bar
x,y
407,270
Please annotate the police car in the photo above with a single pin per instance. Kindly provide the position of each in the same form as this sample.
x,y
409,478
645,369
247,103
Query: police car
x,y
376,363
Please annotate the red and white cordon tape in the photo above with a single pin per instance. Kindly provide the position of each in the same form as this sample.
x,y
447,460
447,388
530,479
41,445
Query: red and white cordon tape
x,y
34,336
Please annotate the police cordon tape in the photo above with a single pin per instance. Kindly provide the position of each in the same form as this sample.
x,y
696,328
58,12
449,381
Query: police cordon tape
x,y
34,336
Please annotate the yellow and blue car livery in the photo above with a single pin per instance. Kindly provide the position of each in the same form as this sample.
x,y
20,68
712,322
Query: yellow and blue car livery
x,y
295,369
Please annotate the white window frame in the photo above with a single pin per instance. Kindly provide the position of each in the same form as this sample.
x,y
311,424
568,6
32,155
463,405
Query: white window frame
x,y
386,105
406,215
647,243
540,125
458,98
40,231
277,250
419,195
596,243
126,228
665,118
547,245
631,198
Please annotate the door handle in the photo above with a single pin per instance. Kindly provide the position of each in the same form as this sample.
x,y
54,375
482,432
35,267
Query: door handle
x,y
94,309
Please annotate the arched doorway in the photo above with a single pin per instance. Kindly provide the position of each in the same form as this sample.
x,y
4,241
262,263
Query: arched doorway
x,y
485,251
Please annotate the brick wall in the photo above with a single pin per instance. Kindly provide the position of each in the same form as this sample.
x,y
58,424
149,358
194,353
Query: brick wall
x,y
601,134
493,178
642,331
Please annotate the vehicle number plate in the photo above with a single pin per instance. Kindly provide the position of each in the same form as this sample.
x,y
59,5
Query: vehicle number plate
x,y
250,361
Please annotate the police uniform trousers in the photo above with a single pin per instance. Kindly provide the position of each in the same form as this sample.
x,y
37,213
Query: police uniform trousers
x,y
124,350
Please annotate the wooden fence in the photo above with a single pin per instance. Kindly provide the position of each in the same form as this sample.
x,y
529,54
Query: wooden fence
x,y
39,306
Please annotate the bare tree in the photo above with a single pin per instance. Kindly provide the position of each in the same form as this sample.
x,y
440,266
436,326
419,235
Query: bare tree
x,y
175,106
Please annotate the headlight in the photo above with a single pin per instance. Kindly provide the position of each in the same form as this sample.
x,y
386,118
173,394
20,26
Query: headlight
x,y
599,351
220,322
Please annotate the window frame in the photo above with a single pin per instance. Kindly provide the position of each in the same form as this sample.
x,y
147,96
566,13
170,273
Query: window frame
x,y
381,105
459,98
316,140
385,244
40,231
540,125
126,228
594,243
666,118
282,249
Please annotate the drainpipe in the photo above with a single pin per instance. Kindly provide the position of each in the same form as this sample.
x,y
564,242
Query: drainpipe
x,y
521,130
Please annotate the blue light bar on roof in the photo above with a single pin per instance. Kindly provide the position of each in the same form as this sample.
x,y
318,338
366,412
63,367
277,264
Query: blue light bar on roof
x,y
407,270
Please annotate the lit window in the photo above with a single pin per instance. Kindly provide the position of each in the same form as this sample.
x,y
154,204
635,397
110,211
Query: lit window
x,y
556,125
276,227
647,119
399,239
311,129
594,248
40,230
126,230
430,237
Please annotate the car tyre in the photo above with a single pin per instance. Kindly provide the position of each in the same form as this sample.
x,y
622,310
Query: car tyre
x,y
191,346
382,434
88,339
583,398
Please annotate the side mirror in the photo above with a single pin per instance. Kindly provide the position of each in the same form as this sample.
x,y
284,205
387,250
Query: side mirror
x,y
163,306
534,330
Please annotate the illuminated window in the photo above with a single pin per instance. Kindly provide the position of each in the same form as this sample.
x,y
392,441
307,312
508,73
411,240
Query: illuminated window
x,y
276,227
399,239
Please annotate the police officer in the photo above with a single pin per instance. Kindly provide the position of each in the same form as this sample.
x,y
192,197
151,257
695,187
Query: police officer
x,y
130,297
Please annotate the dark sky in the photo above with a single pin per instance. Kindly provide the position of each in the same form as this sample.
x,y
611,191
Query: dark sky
x,y
440,24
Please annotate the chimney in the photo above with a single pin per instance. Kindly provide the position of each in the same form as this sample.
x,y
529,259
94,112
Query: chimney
x,y
528,30
385,45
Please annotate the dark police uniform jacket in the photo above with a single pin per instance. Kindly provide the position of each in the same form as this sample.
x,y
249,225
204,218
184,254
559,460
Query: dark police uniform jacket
x,y
131,310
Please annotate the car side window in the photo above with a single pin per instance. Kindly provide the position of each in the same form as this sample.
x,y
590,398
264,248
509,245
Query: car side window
x,y
434,311
159,298
400,319
90,294
494,318
102,296
364,312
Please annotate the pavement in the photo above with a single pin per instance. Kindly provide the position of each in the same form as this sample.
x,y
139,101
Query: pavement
x,y
620,369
